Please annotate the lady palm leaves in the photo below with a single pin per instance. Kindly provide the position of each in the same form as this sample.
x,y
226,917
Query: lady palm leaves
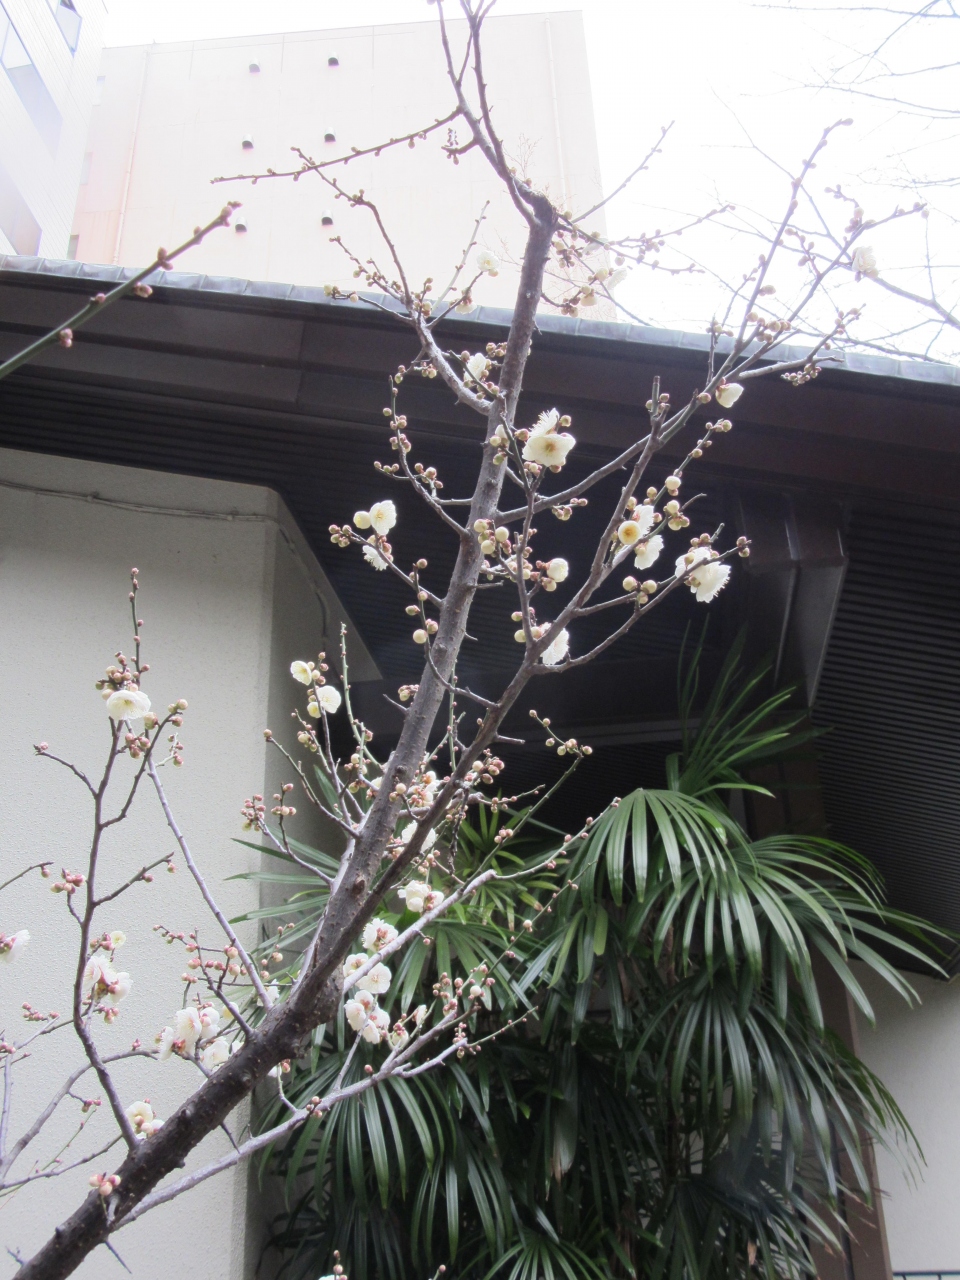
x,y
679,1114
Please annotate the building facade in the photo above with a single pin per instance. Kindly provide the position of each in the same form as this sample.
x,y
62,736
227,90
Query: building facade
x,y
49,68
172,117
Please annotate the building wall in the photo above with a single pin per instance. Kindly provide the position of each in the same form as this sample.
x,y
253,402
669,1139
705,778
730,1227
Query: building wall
x,y
42,173
173,116
915,1053
229,594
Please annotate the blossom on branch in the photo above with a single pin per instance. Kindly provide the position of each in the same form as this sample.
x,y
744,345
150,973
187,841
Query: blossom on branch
x,y
865,262
377,1026
377,981
302,671
649,552
377,934
407,834
214,1054
329,699
381,517
728,394
558,569
10,947
488,262
143,1119
127,704
477,366
710,576
373,557
546,445
556,650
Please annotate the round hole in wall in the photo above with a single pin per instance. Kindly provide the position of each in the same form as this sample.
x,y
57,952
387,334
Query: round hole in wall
x,y
240,226
326,218
333,61
329,137
247,143
254,67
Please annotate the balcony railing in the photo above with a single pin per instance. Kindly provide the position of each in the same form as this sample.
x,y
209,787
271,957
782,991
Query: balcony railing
x,y
924,1275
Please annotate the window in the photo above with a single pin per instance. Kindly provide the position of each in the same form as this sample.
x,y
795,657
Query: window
x,y
26,79
16,221
68,20
72,248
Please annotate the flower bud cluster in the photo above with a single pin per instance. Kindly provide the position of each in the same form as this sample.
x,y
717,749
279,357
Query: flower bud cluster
x,y
253,813
30,1014
69,882
105,1183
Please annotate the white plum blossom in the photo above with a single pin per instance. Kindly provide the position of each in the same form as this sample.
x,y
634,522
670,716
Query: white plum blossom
x,y
865,261
465,306
356,1014
728,394
383,516
649,552
214,1054
373,557
433,899
377,1026
188,1028
376,981
361,519
477,366
710,576
10,947
164,1042
119,989
182,1037
377,934
302,671
637,526
558,569
556,650
546,445
329,699
117,939
353,963
419,1013
414,894
102,984
488,262
127,704
616,277
399,1037
142,1118
406,835
209,1023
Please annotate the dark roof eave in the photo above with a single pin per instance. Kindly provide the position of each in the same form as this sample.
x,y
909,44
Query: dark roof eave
x,y
588,335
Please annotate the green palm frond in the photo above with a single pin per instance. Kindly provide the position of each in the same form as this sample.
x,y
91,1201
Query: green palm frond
x,y
674,1106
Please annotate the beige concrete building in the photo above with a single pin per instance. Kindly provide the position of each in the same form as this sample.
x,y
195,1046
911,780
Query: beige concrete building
x,y
174,116
49,64
230,558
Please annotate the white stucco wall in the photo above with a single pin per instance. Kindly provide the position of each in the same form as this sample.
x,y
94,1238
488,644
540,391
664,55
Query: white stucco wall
x,y
229,593
916,1053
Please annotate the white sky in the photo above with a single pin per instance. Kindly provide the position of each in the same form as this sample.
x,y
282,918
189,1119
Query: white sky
x,y
725,72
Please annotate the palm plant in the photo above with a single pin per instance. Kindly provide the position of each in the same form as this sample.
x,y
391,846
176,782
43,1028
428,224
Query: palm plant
x,y
674,1104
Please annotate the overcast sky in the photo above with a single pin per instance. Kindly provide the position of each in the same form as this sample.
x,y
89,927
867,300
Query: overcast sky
x,y
736,79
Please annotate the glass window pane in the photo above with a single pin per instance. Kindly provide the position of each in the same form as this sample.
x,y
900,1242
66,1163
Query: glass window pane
x,y
27,81
68,20
16,221
14,54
